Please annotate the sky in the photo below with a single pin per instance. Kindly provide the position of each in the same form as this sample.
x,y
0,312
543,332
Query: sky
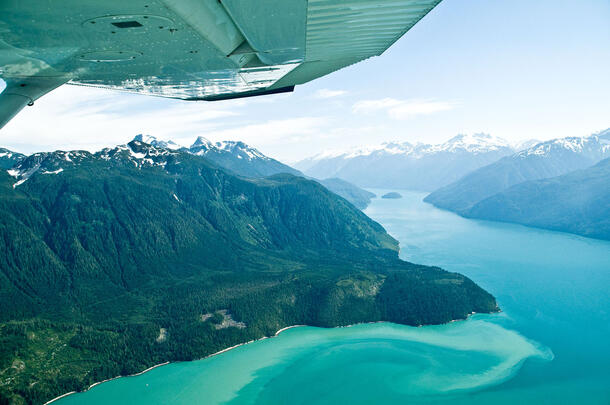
x,y
517,69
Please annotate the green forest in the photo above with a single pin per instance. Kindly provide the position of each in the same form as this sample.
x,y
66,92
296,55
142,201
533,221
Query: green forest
x,y
123,259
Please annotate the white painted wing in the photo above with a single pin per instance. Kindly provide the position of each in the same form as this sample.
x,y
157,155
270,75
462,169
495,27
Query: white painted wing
x,y
189,49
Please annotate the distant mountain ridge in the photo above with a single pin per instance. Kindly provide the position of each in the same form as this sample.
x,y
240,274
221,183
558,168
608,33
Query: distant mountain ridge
x,y
543,160
576,202
411,166
235,156
475,143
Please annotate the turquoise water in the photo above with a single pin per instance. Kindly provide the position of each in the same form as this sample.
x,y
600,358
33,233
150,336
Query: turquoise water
x,y
549,345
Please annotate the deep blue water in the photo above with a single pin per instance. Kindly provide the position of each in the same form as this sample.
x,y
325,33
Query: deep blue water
x,y
553,287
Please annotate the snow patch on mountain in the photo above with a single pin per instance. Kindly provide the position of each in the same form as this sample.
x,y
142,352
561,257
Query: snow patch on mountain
x,y
53,172
46,163
142,151
138,153
23,175
203,146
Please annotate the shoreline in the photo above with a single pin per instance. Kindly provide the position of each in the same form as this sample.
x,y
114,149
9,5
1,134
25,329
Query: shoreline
x,y
168,362
243,344
106,380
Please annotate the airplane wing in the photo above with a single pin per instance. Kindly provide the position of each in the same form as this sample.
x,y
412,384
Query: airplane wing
x,y
189,49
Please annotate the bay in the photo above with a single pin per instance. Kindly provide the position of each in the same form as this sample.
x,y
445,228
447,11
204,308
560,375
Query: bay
x,y
549,345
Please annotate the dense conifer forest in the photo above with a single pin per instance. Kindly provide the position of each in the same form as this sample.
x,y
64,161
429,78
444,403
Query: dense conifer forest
x,y
116,261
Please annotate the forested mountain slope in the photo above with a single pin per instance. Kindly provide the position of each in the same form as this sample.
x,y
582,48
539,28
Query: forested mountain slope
x,y
577,202
352,193
247,161
114,261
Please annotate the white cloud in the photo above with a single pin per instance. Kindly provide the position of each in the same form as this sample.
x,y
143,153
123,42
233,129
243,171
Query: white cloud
x,y
86,118
327,93
273,131
368,106
401,109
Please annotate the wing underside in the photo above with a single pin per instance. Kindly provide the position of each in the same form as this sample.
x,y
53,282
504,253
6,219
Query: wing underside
x,y
189,49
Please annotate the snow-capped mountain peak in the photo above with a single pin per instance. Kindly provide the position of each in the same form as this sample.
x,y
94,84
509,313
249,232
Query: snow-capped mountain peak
x,y
145,151
420,166
145,138
595,146
241,149
136,153
203,146
471,143
474,143
151,140
202,142
390,148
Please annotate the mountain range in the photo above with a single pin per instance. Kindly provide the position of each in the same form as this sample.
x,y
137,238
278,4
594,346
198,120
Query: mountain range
x,y
577,202
543,160
485,177
110,262
409,166
562,184
247,161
